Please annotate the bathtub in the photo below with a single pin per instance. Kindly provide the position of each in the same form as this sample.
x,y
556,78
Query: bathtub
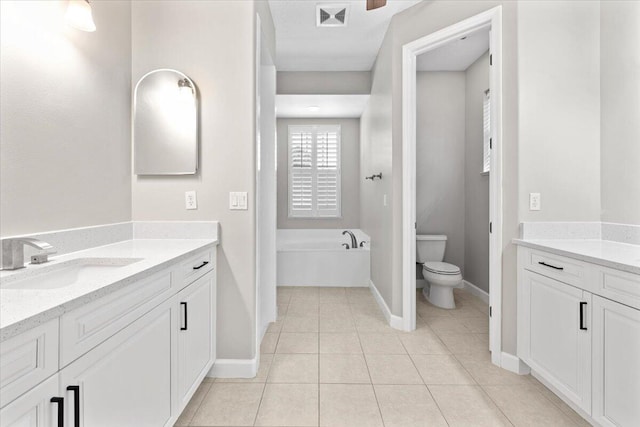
x,y
317,258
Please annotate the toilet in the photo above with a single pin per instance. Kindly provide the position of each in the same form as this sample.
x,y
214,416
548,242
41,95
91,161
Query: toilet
x,y
441,277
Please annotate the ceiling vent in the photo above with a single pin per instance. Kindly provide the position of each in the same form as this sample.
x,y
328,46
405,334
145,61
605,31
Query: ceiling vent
x,y
332,15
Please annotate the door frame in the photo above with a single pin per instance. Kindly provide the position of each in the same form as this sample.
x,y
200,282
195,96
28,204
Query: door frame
x,y
265,280
492,19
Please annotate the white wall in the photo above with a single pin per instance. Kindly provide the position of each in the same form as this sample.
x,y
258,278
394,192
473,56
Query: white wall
x,y
620,109
324,82
440,159
64,117
476,186
193,37
350,175
559,114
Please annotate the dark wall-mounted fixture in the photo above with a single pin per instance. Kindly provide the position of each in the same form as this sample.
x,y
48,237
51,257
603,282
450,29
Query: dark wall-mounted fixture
x,y
372,177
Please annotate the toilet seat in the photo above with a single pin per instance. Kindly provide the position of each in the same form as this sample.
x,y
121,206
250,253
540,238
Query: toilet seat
x,y
443,268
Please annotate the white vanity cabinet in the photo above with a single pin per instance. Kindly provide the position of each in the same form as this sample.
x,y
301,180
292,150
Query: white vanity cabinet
x,y
131,358
558,337
579,332
126,378
616,363
196,346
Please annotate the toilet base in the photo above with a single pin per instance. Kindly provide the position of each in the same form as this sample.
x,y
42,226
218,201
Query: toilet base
x,y
440,296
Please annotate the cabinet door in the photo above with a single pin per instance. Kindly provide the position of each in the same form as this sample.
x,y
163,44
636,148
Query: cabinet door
x,y
34,408
555,336
616,363
195,335
125,381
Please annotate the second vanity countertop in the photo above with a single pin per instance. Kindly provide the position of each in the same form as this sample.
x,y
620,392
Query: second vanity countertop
x,y
23,309
620,256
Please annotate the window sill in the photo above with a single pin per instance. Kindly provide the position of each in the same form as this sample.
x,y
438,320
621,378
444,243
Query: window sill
x,y
484,173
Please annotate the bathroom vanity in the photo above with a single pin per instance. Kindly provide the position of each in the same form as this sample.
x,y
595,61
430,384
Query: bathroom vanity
x,y
579,324
130,342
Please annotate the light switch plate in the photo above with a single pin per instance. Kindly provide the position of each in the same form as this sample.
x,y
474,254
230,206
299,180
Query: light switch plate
x,y
238,200
534,201
190,200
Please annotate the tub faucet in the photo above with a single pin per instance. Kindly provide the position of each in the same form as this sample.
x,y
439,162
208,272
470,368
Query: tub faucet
x,y
354,242
13,252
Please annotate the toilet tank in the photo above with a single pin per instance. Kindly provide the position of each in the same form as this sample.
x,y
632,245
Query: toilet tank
x,y
430,247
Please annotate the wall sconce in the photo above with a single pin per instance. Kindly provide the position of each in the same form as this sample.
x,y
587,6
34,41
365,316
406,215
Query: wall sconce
x,y
185,86
79,15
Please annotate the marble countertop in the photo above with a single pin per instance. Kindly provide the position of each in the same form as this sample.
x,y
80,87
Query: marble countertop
x,y
23,309
621,256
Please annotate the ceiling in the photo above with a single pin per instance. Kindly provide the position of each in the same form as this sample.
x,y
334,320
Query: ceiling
x,y
322,106
301,46
457,55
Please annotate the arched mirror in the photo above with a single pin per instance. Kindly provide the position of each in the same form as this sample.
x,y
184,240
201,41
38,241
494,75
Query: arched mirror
x,y
165,124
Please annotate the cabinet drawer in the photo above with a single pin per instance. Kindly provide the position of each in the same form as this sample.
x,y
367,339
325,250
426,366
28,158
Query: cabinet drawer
x,y
557,267
619,286
28,359
86,327
196,267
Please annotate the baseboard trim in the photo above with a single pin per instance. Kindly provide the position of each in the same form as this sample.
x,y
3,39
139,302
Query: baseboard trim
x,y
234,368
513,364
476,291
394,321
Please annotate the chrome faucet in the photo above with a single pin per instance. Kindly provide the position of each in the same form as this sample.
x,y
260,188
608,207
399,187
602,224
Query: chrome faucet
x,y
354,242
13,252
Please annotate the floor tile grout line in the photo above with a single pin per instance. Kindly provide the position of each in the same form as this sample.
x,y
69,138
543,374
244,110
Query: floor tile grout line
x,y
255,417
371,379
200,404
425,384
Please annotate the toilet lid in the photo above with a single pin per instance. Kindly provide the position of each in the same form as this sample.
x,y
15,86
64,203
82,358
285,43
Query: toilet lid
x,y
441,268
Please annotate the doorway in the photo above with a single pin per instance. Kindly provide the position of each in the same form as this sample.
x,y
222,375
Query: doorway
x,y
491,21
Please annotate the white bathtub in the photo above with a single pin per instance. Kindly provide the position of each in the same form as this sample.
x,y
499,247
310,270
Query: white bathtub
x,y
317,258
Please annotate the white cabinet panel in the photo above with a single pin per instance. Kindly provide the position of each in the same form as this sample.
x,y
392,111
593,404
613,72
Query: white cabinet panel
x,y
34,409
125,381
195,335
84,328
552,340
27,359
616,364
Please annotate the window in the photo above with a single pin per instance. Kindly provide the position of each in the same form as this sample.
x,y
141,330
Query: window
x,y
486,124
314,171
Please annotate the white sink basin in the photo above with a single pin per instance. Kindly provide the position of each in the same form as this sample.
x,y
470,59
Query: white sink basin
x,y
67,273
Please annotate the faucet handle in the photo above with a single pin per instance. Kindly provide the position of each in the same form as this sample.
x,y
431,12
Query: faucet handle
x,y
346,245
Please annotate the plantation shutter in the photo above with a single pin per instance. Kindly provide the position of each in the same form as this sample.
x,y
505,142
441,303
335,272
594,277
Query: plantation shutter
x,y
300,171
314,171
486,124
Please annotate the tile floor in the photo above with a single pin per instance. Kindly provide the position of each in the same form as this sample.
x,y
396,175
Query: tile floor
x,y
332,360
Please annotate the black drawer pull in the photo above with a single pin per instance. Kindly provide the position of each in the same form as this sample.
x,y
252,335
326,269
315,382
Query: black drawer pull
x,y
550,266
184,328
582,316
76,404
60,402
201,265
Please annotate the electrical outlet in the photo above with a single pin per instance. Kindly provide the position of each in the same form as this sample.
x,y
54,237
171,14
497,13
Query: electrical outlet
x,y
190,200
534,201
384,200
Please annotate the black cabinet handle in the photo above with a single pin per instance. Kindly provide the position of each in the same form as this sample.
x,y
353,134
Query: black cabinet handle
x,y
582,317
550,266
76,404
60,402
184,328
201,265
